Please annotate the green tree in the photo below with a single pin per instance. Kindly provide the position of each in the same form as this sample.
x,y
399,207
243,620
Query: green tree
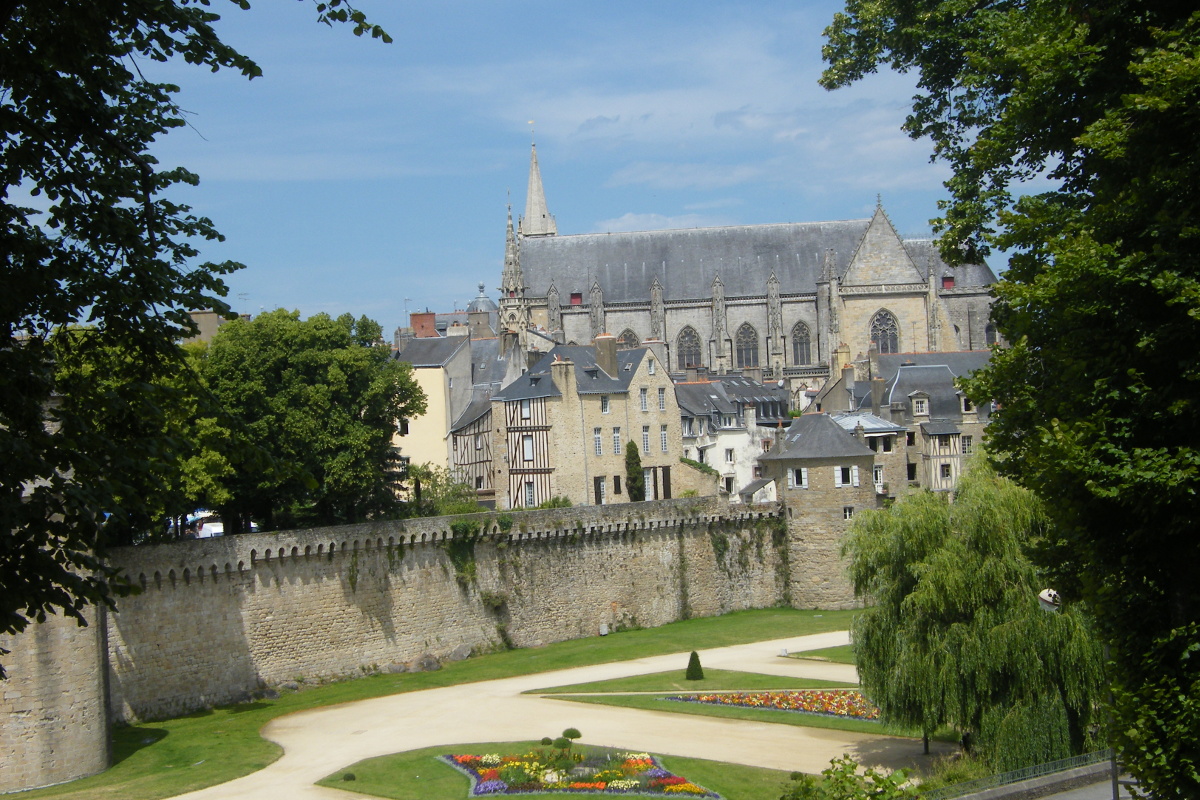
x,y
1098,385
435,492
635,479
956,635
88,235
323,404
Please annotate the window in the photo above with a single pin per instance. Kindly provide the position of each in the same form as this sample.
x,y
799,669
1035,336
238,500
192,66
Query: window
x,y
912,472
887,444
798,478
885,332
576,298
967,405
616,441
479,441
746,346
598,441
947,281
478,481
728,455
910,438
616,484
920,406
688,348
527,447
601,487
688,430
643,394
662,399
628,340
645,438
605,406
943,441
729,484
945,471
801,345
847,512
968,445
766,445
529,499
648,482
526,410
877,475
989,334
650,367
845,476
662,437
403,427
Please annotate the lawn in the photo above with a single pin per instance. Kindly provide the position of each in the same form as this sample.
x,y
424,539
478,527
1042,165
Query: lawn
x,y
162,759
417,775
842,654
715,680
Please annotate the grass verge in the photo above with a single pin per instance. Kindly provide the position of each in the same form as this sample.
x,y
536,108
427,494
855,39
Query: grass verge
x,y
161,759
416,775
843,654
715,680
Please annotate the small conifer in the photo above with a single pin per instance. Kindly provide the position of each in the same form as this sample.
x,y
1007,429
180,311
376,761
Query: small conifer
x,y
694,671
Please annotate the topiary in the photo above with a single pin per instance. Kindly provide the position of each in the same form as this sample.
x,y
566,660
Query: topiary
x,y
572,733
694,671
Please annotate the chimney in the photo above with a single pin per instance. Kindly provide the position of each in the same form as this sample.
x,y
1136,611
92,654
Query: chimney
x,y
692,375
479,323
423,324
877,387
659,348
873,356
848,384
531,358
606,353
750,413
563,375
752,373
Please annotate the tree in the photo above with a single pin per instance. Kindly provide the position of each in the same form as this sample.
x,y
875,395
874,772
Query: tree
x,y
324,404
956,635
635,479
435,492
87,235
1100,307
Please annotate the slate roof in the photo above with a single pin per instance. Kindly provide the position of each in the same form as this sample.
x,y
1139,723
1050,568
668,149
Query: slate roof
x,y
936,381
727,394
870,423
589,378
432,351
816,436
685,261
960,363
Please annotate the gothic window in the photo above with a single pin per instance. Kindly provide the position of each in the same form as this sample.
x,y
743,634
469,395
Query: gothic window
x,y
689,348
885,332
989,334
628,340
747,346
801,345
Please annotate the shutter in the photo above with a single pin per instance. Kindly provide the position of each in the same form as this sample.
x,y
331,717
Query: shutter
x,y
837,477
599,484
666,483
854,476
804,477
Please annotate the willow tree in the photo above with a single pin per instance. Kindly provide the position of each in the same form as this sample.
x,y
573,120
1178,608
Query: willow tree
x,y
956,635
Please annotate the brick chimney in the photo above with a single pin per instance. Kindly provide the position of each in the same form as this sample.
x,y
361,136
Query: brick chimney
x,y
606,353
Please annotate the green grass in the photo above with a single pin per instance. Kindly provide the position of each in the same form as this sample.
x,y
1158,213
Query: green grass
x,y
842,654
416,775
715,680
163,759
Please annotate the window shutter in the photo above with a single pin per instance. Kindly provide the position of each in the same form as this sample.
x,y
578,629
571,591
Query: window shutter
x,y
804,477
854,476
837,477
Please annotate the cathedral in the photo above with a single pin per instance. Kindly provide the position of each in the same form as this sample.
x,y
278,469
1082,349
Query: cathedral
x,y
790,302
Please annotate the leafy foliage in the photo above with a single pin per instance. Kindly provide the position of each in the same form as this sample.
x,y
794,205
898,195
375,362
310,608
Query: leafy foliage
x,y
87,235
956,635
435,492
842,780
1098,387
324,403
635,479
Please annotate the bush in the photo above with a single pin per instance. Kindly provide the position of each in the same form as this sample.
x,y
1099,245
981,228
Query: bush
x,y
841,780
694,671
705,468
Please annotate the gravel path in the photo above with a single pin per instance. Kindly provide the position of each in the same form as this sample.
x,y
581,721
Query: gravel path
x,y
319,742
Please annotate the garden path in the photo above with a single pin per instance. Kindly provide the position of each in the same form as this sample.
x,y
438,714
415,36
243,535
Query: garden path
x,y
319,742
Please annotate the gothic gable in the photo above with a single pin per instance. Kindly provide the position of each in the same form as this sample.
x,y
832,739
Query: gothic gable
x,y
881,257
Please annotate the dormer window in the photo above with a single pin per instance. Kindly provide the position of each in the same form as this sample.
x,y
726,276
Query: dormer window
x,y
967,405
576,298
920,406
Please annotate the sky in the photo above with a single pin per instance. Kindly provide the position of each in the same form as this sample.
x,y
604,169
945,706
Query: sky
x,y
370,178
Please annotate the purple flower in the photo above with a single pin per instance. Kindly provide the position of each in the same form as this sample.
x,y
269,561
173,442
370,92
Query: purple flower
x,y
657,772
490,787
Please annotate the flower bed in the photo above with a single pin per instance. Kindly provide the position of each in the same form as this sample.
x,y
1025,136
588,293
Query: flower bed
x,y
844,703
583,770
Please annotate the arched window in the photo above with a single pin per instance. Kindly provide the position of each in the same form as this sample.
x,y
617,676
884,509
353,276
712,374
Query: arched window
x,y
628,340
688,348
885,332
801,345
747,346
989,334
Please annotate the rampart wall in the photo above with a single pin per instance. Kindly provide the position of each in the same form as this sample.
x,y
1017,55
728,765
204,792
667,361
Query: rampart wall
x,y
221,618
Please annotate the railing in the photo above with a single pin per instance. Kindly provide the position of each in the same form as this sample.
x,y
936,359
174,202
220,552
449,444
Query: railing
x,y
1005,778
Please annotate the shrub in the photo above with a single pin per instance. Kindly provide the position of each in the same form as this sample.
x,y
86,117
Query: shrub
x,y
694,671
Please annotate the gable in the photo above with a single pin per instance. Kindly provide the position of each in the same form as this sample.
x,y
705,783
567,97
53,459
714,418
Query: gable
x,y
881,257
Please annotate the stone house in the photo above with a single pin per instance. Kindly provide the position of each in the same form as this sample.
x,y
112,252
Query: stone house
x,y
561,428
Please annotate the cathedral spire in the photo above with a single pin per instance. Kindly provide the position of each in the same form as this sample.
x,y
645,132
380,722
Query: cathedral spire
x,y
511,281
537,220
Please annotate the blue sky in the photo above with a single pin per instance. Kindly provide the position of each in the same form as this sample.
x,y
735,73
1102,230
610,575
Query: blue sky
x,y
355,174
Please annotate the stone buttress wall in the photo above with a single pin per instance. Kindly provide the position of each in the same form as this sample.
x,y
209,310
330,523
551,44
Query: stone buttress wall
x,y
53,725
221,618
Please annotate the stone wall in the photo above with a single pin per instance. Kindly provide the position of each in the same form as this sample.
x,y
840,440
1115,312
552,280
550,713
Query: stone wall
x,y
53,725
222,618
